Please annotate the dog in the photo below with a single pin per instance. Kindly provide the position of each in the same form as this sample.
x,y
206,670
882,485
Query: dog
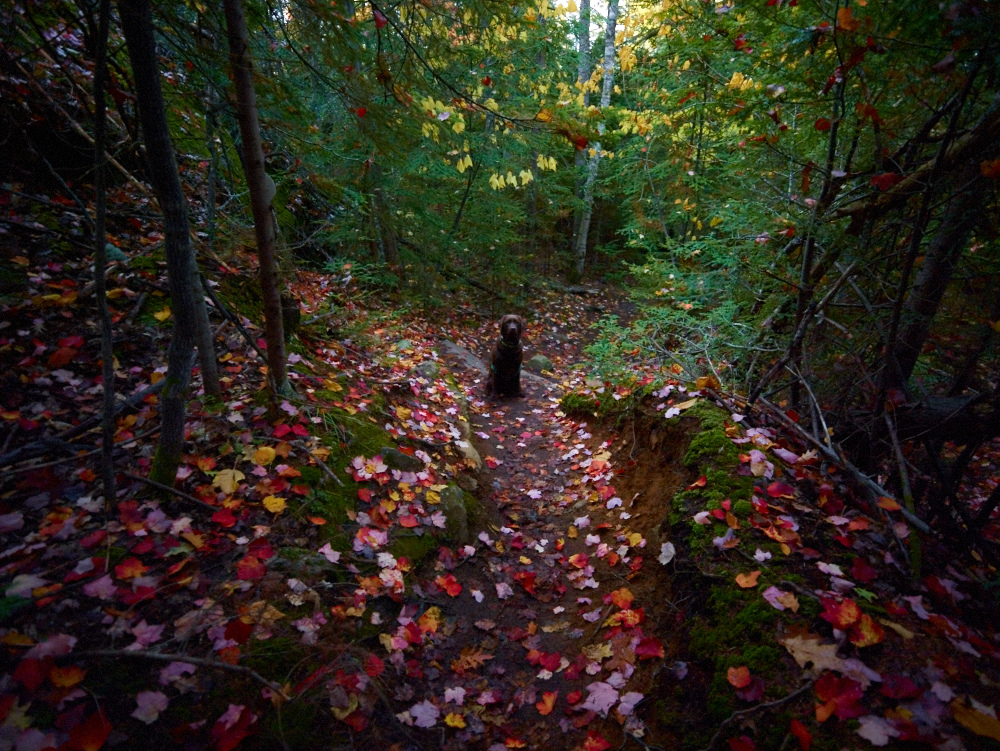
x,y
504,377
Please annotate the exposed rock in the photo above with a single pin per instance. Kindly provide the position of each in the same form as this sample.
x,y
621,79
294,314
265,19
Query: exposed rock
x,y
456,515
467,482
428,369
468,451
396,459
538,363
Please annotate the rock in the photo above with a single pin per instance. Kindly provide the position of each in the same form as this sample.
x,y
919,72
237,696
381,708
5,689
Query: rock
x,y
396,459
428,369
468,451
467,482
538,363
456,516
404,344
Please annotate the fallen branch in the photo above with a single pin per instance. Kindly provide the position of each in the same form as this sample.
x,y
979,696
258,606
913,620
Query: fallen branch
x,y
873,488
302,447
758,708
168,489
162,657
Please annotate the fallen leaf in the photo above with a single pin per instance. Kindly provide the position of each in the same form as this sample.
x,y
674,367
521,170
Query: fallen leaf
x,y
746,581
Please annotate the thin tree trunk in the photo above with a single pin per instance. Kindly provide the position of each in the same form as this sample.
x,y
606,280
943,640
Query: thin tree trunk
x,y
943,253
101,256
580,252
582,76
137,23
261,191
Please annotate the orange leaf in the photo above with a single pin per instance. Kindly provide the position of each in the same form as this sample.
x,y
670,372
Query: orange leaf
x,y
548,702
889,504
739,677
130,568
846,21
90,734
67,676
699,483
748,580
622,598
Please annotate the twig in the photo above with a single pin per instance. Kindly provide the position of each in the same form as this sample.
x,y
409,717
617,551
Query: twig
x,y
758,708
161,657
168,489
84,455
831,455
235,320
330,472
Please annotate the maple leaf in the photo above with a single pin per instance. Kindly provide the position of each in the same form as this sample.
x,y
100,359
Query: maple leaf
x,y
978,722
595,742
149,706
424,714
264,455
548,702
449,584
90,734
275,504
228,480
232,727
806,648
66,677
454,720
602,696
746,581
865,632
649,647
876,730
847,22
839,696
130,568
840,614
886,180
250,569
622,598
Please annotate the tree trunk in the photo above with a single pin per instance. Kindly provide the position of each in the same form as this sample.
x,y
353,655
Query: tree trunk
x,y
101,255
185,304
580,252
582,76
261,191
943,253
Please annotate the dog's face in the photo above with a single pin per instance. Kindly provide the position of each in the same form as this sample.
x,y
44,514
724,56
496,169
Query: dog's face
x,y
511,328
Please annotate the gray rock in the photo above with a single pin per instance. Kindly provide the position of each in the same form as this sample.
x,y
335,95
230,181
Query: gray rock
x,y
456,516
538,363
467,482
396,459
468,451
428,369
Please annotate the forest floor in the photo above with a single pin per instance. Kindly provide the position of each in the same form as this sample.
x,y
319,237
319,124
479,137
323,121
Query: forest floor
x,y
596,565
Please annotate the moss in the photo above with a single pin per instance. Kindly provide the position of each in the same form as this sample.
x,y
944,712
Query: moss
x,y
279,655
577,404
413,548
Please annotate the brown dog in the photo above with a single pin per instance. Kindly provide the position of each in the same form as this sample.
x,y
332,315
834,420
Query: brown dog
x,y
504,378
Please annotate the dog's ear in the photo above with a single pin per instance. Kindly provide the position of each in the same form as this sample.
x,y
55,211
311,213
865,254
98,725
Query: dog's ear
x,y
520,324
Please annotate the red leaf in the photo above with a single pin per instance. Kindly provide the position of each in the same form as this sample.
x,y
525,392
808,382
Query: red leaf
x,y
61,357
799,731
31,673
595,742
840,697
743,743
90,734
550,661
699,483
649,647
260,549
380,19
753,691
365,494
94,538
899,687
449,584
573,697
840,614
886,180
863,571
822,123
249,569
224,518
739,677
374,666
408,520
238,631
130,568
780,490
362,111
228,738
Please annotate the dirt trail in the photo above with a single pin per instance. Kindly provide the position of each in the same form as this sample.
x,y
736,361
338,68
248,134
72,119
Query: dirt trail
x,y
528,654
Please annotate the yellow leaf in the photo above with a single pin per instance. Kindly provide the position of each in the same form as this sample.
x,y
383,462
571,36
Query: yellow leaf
x,y
264,455
977,722
275,504
162,315
454,720
996,326
228,480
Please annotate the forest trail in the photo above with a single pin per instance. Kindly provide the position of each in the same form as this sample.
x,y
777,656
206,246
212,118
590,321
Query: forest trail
x,y
526,628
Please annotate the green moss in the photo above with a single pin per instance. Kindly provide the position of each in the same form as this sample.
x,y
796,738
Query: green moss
x,y
576,404
413,548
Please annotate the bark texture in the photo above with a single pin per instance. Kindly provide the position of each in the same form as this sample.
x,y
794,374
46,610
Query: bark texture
x,y
261,191
186,306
